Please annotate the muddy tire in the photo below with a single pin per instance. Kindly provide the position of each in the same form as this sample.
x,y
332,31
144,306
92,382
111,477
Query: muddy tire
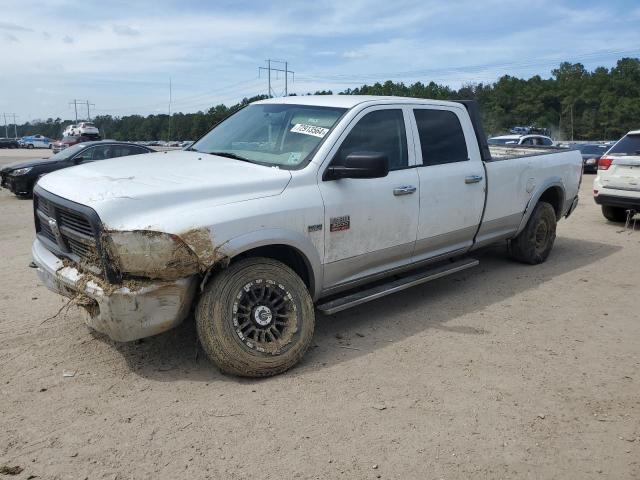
x,y
255,318
614,214
535,242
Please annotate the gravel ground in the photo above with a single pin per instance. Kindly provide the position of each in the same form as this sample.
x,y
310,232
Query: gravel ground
x,y
502,371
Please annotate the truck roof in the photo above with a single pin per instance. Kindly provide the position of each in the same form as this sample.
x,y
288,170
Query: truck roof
x,y
349,101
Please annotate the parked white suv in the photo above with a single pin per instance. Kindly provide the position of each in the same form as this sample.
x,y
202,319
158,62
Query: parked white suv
x,y
617,185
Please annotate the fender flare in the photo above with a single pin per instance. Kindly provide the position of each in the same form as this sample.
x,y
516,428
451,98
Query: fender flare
x,y
277,236
553,182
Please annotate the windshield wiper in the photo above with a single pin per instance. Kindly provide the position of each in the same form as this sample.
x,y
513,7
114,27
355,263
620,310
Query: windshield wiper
x,y
231,155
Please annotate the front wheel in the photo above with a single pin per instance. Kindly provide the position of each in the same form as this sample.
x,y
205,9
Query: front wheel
x,y
255,318
535,242
614,214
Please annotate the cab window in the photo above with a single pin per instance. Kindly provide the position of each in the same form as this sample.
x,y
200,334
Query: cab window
x,y
441,137
381,131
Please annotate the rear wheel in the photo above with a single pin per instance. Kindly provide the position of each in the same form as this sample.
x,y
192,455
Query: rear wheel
x,y
535,242
614,214
255,318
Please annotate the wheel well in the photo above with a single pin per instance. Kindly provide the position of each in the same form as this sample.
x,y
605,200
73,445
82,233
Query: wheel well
x,y
286,254
553,196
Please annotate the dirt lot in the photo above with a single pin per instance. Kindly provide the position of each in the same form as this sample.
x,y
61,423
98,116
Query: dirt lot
x,y
503,371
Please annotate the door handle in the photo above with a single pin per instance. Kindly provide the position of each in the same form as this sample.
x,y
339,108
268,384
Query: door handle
x,y
404,190
473,179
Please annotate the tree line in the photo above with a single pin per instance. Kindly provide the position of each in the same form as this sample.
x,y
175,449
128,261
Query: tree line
x,y
574,103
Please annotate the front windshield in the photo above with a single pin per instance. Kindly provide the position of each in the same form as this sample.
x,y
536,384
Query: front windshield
x,y
271,134
67,152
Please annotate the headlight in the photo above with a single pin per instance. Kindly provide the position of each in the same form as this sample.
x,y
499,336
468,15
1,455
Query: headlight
x,y
149,254
21,171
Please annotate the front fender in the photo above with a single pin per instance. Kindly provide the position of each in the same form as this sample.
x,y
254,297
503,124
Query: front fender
x,y
278,236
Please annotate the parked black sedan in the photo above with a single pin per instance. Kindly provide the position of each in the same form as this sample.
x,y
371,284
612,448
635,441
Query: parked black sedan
x,y
9,143
20,177
591,153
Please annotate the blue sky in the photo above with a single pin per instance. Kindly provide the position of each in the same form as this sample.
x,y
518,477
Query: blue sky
x,y
120,55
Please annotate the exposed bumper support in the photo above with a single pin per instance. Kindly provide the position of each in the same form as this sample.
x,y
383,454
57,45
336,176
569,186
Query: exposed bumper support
x,y
126,313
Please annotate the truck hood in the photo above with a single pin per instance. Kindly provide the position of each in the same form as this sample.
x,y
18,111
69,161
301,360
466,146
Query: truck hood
x,y
140,184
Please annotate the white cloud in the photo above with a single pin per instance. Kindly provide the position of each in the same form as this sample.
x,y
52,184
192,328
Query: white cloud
x,y
14,27
125,30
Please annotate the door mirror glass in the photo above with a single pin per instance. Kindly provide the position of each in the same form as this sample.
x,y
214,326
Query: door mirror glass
x,y
360,165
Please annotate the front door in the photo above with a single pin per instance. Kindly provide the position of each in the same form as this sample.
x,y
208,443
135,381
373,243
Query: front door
x,y
371,224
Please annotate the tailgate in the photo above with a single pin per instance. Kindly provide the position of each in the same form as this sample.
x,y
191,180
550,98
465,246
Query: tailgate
x,y
623,174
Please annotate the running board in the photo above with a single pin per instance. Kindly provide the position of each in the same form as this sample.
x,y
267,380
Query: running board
x,y
372,293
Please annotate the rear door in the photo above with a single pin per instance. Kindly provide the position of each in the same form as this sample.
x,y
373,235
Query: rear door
x,y
371,223
452,180
624,172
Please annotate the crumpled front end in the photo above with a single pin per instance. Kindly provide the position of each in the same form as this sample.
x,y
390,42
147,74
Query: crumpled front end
x,y
124,312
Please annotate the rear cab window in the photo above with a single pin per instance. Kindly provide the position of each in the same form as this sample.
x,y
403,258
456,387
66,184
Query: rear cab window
x,y
441,136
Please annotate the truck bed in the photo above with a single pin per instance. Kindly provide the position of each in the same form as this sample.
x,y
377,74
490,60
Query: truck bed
x,y
506,152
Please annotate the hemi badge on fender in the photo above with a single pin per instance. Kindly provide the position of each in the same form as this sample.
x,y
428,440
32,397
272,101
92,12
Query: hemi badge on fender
x,y
337,224
315,228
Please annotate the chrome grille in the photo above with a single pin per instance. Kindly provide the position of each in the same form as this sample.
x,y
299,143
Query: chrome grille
x,y
75,222
64,230
42,205
46,231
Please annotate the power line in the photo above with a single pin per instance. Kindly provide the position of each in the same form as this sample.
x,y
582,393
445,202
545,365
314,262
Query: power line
x,y
188,100
467,68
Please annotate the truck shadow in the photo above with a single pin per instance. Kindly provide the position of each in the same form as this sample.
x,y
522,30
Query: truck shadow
x,y
176,355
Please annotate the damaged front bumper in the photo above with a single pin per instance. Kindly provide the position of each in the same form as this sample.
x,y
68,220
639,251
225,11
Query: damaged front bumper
x,y
123,312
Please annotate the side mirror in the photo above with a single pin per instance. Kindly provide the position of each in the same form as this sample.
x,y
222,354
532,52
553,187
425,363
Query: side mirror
x,y
78,160
360,165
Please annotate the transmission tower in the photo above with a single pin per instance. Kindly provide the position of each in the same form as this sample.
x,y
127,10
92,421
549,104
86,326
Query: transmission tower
x,y
270,68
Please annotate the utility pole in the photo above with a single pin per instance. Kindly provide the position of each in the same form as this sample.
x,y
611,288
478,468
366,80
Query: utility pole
x,y
169,139
15,125
269,69
75,106
572,122
88,113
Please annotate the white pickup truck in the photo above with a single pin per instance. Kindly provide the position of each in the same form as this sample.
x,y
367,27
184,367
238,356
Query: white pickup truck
x,y
288,206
